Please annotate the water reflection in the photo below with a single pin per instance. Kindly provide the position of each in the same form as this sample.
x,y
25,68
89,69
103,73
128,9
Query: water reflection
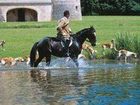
x,y
101,84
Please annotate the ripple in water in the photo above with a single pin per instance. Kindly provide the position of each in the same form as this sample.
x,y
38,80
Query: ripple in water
x,y
69,64
93,83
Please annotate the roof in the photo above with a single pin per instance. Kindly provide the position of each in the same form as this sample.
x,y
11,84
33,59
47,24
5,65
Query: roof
x,y
23,1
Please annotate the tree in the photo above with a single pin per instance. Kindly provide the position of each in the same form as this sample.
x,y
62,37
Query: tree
x,y
111,7
87,7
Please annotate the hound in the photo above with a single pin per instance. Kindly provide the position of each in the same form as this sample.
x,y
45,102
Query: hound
x,y
8,61
81,56
126,54
89,49
109,45
27,60
19,59
23,59
2,42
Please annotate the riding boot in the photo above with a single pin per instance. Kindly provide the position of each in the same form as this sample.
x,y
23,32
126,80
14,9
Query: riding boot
x,y
67,50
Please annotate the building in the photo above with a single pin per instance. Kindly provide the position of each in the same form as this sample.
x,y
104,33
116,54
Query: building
x,y
38,10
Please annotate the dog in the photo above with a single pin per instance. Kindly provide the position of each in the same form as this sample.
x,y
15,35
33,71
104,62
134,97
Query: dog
x,y
81,56
109,45
8,61
90,49
126,54
2,42
27,59
19,59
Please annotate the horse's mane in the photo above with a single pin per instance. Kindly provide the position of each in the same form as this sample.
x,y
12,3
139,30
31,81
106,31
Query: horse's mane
x,y
73,35
81,31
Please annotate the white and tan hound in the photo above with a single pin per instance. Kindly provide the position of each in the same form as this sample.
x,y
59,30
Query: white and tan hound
x,y
126,54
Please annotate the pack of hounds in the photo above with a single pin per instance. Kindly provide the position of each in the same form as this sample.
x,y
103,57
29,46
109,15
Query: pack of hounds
x,y
122,54
10,60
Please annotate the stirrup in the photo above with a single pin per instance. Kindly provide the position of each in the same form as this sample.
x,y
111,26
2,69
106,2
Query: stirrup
x,y
67,53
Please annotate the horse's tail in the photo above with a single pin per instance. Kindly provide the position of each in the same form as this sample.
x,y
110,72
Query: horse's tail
x,y
33,54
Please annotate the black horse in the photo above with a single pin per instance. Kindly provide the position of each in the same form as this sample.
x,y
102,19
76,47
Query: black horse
x,y
52,46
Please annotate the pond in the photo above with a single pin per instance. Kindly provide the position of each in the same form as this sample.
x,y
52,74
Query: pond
x,y
93,83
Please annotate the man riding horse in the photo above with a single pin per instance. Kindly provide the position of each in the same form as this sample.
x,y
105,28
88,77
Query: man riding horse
x,y
64,31
59,46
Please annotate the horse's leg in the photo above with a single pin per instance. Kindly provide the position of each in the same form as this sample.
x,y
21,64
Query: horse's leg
x,y
48,60
75,61
38,61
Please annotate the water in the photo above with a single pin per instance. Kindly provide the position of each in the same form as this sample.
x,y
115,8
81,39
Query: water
x,y
94,83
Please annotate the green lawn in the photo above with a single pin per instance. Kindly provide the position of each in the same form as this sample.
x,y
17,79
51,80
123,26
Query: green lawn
x,y
20,36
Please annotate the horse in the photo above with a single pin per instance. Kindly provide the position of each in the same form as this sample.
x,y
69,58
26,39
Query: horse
x,y
53,46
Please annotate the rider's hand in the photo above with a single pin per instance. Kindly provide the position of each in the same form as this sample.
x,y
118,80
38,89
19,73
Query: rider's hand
x,y
71,33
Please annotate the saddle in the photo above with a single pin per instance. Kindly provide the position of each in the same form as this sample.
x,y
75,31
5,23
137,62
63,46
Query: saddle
x,y
67,42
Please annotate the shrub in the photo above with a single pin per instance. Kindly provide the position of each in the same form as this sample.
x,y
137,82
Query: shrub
x,y
136,45
110,54
124,41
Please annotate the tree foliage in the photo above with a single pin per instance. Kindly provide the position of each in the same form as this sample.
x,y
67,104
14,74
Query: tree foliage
x,y
111,7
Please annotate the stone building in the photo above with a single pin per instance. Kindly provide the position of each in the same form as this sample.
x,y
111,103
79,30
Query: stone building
x,y
38,10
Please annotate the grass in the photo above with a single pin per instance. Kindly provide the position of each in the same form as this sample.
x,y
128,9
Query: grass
x,y
20,36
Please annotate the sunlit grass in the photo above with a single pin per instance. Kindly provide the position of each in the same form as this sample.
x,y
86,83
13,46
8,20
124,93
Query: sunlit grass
x,y
20,36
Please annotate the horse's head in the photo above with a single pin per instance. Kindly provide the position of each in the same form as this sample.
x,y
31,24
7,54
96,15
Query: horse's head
x,y
87,33
91,35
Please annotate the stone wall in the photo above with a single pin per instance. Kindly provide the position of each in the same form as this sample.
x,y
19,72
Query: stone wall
x,y
1,16
59,6
45,10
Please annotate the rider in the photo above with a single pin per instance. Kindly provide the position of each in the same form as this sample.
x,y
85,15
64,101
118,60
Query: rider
x,y
64,31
